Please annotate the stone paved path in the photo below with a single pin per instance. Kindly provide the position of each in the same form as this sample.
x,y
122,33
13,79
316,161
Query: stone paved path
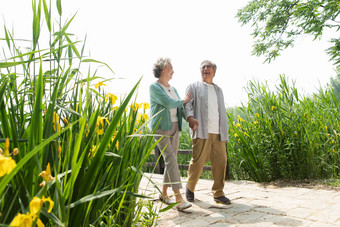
x,y
252,204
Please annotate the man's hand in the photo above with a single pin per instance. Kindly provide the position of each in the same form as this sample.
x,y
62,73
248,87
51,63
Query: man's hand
x,y
193,123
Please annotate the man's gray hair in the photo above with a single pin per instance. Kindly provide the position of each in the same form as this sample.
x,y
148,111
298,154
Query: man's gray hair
x,y
210,62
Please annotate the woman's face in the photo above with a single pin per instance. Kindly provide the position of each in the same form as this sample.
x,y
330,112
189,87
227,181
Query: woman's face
x,y
167,72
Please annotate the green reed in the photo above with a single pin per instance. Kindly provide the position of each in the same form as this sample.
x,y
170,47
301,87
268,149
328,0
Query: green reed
x,y
94,147
282,134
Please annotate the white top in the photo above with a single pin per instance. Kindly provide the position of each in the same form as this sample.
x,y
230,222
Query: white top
x,y
172,94
213,115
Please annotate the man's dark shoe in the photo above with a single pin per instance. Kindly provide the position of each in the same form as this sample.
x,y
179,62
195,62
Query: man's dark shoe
x,y
189,195
222,199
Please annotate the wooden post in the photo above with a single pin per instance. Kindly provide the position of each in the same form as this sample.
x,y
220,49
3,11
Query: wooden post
x,y
160,164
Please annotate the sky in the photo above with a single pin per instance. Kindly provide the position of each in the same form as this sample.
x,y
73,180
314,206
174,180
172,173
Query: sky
x,y
130,35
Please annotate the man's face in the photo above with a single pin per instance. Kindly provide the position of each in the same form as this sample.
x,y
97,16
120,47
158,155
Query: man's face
x,y
208,72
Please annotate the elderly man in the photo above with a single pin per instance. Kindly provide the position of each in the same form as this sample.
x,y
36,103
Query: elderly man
x,y
207,118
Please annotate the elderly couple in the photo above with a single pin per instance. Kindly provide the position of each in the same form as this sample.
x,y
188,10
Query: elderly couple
x,y
203,107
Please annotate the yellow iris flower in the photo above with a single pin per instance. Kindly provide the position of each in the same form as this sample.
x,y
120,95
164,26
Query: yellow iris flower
x,y
55,122
112,97
99,85
145,117
36,204
6,152
46,175
22,220
29,218
7,164
100,125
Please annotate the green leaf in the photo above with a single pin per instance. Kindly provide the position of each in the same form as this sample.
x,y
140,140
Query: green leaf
x,y
47,16
11,64
59,7
7,38
94,196
7,178
95,61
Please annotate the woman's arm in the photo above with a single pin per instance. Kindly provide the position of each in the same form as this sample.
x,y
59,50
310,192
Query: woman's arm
x,y
158,95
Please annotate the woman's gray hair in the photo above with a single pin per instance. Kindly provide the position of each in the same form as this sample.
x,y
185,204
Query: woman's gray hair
x,y
160,64
210,62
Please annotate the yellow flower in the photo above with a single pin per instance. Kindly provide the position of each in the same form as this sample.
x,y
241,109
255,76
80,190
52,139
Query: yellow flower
x,y
15,151
6,152
100,125
36,204
257,115
46,175
273,107
256,122
99,85
93,151
59,150
238,125
235,135
240,118
326,127
7,164
22,220
112,97
55,122
115,108
246,134
65,121
135,106
100,131
146,106
145,117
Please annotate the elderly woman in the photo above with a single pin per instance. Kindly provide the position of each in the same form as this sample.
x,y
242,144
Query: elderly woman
x,y
167,110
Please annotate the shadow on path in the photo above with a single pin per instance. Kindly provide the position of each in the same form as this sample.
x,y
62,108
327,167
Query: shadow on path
x,y
205,213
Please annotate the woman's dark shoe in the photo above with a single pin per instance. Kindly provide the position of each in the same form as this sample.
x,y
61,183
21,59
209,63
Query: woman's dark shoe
x,y
222,199
189,195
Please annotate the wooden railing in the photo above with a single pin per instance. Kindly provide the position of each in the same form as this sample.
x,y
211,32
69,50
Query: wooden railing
x,y
160,164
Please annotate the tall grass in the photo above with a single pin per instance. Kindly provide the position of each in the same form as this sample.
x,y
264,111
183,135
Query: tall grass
x,y
285,135
94,147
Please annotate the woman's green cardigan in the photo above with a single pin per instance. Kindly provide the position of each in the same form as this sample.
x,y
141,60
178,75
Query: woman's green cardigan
x,y
160,101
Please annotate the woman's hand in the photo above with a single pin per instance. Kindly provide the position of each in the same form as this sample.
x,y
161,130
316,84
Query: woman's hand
x,y
188,97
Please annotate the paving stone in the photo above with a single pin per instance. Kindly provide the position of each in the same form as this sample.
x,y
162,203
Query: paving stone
x,y
252,205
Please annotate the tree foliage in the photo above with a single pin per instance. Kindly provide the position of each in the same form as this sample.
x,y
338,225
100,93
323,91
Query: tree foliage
x,y
277,24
